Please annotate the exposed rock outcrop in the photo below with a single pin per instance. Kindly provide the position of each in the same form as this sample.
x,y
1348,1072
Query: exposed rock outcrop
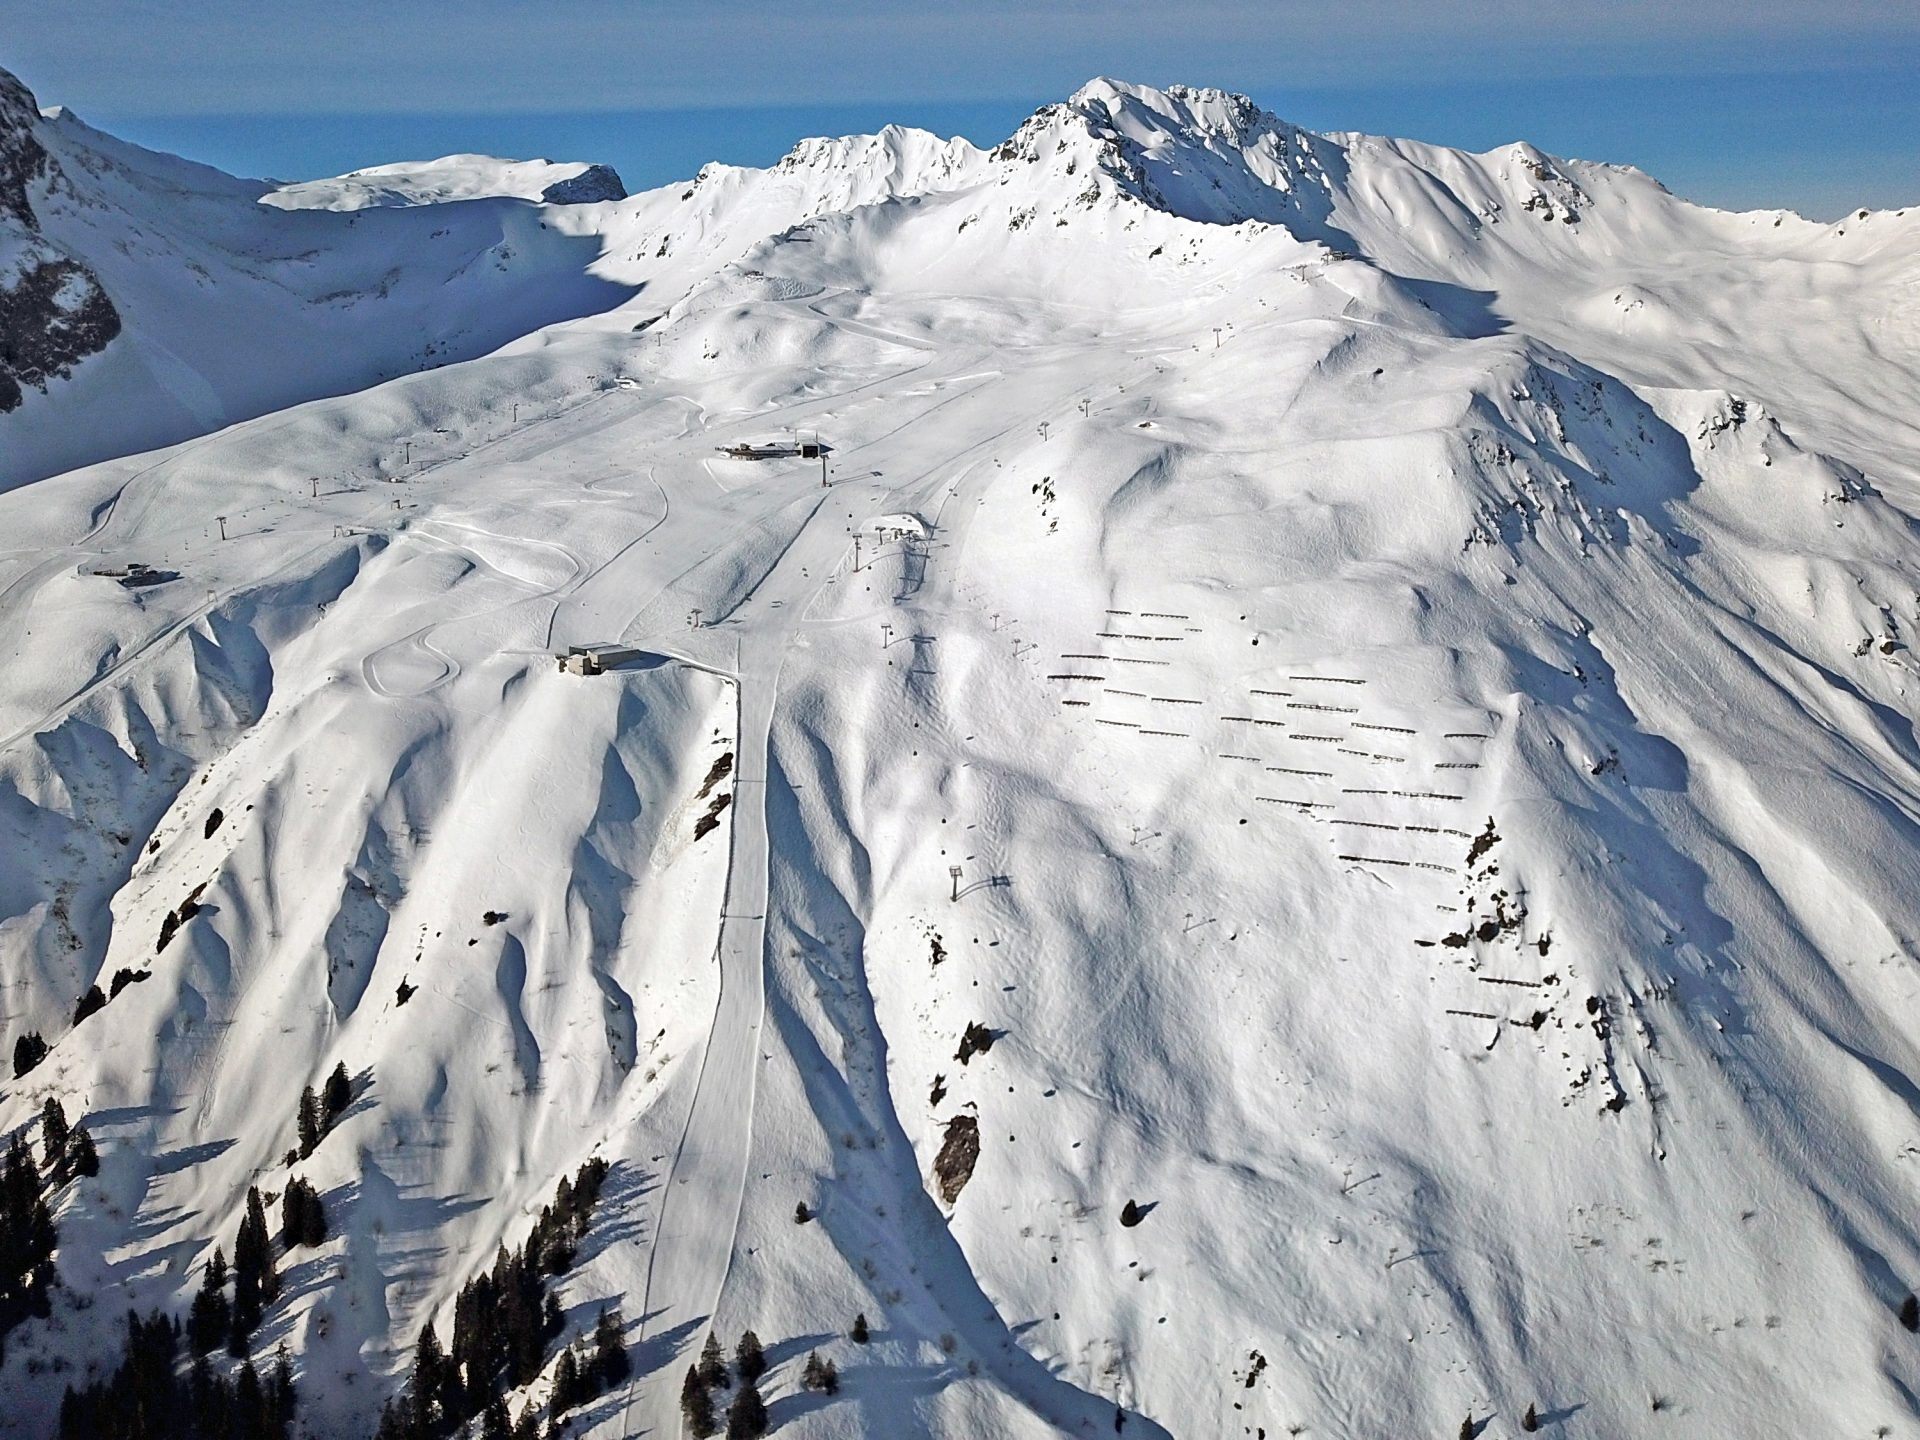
x,y
595,183
53,312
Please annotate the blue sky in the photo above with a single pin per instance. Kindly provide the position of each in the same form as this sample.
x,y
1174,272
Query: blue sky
x,y
1733,102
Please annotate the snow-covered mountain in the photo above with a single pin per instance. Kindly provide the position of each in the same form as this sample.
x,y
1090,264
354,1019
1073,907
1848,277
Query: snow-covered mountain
x,y
1315,834
453,177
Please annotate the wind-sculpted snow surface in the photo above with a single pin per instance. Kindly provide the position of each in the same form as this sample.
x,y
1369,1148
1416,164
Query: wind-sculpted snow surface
x,y
1313,834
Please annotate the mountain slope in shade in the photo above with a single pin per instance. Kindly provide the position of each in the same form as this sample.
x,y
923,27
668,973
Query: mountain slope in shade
x,y
1314,835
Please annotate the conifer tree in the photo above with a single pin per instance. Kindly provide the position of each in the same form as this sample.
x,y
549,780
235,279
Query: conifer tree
x,y
747,1416
428,1381
1466,1428
1129,1214
696,1405
308,1121
84,1158
859,1332
54,1135
609,1350
339,1092
94,1000
255,1281
210,1316
1530,1421
494,1424
566,1383
713,1365
1910,1312
249,1401
748,1358
281,1399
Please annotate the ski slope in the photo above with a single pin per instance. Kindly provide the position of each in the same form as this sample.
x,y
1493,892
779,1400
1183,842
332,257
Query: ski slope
x,y
1409,658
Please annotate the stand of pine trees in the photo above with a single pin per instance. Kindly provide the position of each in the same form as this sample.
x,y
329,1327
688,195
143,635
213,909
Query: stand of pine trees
x,y
256,1281
27,1240
747,1414
503,1322
303,1220
28,1051
582,1374
821,1375
146,1398
317,1114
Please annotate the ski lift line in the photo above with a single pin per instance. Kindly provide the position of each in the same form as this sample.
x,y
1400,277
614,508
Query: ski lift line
x,y
1474,1014
1313,705
1328,679
1170,734
1296,804
1254,758
1457,765
1390,729
1317,774
1161,615
1283,694
1171,700
1464,735
1064,676
1076,702
1130,694
1122,724
1368,824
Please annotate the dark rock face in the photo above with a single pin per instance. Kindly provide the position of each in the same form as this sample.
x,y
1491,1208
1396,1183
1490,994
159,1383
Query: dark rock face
x,y
595,183
53,313
51,317
22,161
959,1153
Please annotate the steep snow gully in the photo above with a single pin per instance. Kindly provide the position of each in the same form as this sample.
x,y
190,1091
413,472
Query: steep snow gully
x,y
1303,825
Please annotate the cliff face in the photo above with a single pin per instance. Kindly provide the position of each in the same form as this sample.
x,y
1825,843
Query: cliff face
x,y
53,311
